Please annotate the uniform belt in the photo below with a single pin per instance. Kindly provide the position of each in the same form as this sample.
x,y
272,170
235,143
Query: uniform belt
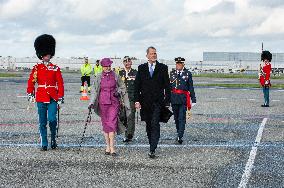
x,y
45,86
187,93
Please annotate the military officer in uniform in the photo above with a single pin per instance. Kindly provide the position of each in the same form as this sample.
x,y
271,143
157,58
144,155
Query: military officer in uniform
x,y
50,88
264,76
128,75
182,91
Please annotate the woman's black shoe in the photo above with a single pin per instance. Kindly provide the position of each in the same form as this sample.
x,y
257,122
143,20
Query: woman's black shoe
x,y
107,153
114,154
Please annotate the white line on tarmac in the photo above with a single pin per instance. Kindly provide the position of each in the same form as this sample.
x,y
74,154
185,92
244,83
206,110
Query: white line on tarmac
x,y
249,165
251,99
232,145
275,100
22,96
222,98
131,145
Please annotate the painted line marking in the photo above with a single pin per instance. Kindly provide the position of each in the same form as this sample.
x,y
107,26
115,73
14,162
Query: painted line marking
x,y
251,99
22,96
232,145
24,125
250,162
276,100
222,98
130,145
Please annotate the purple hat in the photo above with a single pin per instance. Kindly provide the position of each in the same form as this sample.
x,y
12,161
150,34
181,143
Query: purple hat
x,y
106,62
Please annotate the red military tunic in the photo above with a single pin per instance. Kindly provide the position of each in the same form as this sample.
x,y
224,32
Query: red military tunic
x,y
266,69
49,82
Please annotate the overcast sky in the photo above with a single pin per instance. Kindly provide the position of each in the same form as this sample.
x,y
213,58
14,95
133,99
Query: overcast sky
x,y
108,28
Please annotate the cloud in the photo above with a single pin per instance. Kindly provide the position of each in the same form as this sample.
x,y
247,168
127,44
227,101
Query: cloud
x,y
113,27
270,24
196,6
15,8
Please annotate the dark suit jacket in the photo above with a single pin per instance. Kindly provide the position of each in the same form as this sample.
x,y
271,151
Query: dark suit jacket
x,y
152,90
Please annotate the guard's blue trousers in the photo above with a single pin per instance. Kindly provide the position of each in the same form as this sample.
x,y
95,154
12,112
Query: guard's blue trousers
x,y
266,95
47,111
179,111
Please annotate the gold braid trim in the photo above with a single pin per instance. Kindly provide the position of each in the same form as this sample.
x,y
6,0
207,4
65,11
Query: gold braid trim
x,y
35,75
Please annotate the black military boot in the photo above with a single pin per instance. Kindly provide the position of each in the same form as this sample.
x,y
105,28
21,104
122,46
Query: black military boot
x,y
44,148
53,145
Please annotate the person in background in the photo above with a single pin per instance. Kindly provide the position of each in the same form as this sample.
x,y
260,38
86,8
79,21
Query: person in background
x,y
86,70
151,93
50,88
182,91
264,76
128,75
97,68
108,93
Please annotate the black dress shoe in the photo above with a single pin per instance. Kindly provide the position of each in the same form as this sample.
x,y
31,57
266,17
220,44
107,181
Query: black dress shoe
x,y
179,140
113,154
53,146
44,148
152,155
264,105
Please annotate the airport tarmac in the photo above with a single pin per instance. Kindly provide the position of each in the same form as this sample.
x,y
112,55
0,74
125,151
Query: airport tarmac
x,y
230,141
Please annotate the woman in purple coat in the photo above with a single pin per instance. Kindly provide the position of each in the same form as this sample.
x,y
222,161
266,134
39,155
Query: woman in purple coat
x,y
108,93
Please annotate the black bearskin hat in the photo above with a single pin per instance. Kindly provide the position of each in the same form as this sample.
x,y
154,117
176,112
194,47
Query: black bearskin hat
x,y
266,55
44,45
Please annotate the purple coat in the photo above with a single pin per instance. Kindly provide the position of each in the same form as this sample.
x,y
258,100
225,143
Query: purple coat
x,y
106,101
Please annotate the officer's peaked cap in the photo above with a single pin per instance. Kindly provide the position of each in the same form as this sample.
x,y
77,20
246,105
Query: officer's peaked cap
x,y
126,58
266,55
44,45
179,60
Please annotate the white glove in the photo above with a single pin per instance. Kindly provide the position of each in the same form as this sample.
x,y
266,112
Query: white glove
x,y
60,101
266,82
31,97
193,104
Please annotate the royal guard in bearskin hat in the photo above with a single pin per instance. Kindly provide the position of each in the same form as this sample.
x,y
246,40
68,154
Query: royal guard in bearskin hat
x,y
50,88
264,76
182,95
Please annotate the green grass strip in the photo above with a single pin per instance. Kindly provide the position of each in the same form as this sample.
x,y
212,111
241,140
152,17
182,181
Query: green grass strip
x,y
9,75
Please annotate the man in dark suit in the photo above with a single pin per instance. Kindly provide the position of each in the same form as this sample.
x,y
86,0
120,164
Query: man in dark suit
x,y
151,93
